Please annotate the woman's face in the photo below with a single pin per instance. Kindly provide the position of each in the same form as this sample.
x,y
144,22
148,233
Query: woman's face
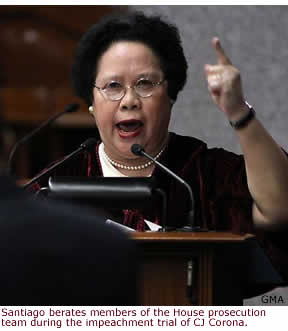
x,y
133,119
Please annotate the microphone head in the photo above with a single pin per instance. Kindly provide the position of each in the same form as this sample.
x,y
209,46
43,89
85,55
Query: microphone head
x,y
137,149
72,107
88,143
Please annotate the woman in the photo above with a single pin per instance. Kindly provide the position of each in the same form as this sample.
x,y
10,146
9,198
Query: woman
x,y
129,70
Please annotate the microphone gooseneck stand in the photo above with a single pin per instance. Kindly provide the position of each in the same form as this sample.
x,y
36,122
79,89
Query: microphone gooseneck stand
x,y
190,227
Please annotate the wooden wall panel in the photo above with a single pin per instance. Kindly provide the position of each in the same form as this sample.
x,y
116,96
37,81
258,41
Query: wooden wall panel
x,y
37,46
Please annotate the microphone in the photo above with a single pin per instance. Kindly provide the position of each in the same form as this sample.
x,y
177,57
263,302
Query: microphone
x,y
83,147
139,150
73,107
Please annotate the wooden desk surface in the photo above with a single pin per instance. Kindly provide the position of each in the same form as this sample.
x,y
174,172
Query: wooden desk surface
x,y
203,237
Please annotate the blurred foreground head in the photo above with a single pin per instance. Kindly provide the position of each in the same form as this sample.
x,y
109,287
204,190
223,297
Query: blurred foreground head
x,y
6,142
2,135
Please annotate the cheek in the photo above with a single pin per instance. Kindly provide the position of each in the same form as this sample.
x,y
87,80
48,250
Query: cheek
x,y
101,114
95,119
160,114
101,120
104,117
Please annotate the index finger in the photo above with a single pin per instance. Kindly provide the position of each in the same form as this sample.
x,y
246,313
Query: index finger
x,y
222,58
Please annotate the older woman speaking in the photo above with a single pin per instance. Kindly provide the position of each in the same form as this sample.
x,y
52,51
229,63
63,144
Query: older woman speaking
x,y
129,69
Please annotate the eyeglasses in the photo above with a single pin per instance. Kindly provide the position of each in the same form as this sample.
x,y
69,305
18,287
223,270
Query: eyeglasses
x,y
115,91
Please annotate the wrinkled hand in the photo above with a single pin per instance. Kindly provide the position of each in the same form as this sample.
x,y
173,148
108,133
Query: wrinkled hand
x,y
224,83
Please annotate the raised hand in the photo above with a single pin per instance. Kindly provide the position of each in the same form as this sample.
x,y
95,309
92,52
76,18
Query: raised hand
x,y
224,83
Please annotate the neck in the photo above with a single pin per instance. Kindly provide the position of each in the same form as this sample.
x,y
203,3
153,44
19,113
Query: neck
x,y
144,168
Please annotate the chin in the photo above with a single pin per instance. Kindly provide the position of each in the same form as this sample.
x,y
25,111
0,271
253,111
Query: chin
x,y
126,144
152,145
125,151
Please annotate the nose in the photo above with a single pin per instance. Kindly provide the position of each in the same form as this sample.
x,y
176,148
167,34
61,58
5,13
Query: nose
x,y
131,100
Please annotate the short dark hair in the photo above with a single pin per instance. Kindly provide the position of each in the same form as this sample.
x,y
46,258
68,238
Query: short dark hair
x,y
162,37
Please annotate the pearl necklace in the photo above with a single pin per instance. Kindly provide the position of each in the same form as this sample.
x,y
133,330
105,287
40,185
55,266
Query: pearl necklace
x,y
131,168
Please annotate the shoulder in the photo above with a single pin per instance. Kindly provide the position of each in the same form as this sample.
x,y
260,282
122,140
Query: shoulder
x,y
189,155
79,165
185,149
181,149
183,142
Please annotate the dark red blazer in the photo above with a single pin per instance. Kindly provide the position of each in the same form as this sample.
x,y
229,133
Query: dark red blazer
x,y
218,180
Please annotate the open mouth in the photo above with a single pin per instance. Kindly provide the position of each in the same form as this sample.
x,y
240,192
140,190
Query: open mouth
x,y
129,125
129,129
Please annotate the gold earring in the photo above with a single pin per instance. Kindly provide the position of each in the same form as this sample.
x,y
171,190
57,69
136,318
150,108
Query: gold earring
x,y
91,109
